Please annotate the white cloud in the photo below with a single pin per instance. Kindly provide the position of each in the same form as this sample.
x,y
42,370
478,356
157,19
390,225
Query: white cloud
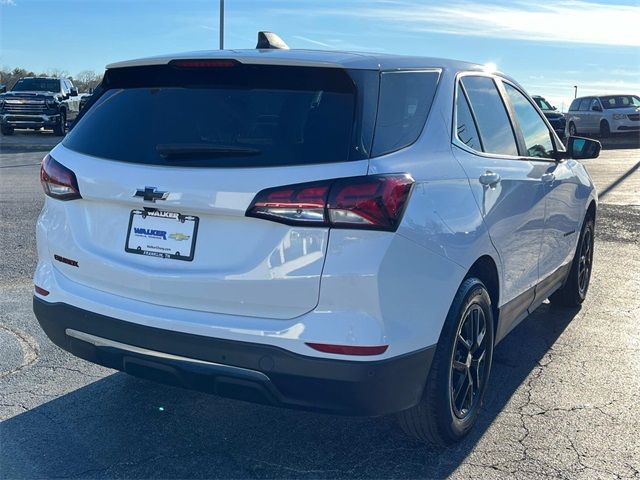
x,y
314,42
560,21
8,2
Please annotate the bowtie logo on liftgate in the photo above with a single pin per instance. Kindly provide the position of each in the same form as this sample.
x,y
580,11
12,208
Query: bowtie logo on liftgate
x,y
151,194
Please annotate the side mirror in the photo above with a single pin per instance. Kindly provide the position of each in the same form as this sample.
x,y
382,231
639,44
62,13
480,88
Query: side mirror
x,y
3,89
580,148
596,108
73,92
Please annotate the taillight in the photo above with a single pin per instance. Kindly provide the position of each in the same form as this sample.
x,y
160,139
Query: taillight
x,y
57,180
374,202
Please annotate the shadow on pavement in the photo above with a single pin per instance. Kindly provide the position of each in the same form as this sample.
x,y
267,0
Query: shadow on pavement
x,y
618,141
613,185
120,426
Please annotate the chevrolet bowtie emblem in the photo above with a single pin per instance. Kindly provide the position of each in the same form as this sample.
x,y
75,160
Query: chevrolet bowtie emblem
x,y
179,236
151,194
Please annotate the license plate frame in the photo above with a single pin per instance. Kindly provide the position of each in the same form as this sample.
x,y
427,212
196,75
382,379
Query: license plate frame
x,y
159,230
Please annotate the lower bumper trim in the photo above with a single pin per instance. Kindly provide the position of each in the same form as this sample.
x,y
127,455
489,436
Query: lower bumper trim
x,y
247,371
104,342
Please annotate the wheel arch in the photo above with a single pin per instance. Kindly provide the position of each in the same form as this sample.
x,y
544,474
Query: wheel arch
x,y
486,269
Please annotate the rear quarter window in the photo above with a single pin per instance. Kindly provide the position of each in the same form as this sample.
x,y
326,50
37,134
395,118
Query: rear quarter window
x,y
405,101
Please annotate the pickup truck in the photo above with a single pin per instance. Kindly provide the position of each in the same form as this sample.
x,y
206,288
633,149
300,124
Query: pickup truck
x,y
39,102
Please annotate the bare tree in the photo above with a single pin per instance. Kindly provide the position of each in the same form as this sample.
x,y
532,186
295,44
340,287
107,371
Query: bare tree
x,y
86,80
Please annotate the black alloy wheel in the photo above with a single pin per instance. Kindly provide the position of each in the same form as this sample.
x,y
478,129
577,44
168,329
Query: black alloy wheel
x,y
574,290
585,262
468,371
459,372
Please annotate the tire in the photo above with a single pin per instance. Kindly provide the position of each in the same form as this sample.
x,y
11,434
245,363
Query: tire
x,y
440,418
573,131
576,286
61,128
605,130
6,130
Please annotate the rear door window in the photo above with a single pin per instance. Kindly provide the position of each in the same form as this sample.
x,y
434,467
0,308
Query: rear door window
x,y
227,116
537,137
405,101
494,125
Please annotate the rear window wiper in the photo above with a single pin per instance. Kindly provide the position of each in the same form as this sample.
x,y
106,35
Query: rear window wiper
x,y
177,151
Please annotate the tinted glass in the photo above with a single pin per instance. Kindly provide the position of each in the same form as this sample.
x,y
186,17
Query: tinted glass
x,y
465,126
37,85
493,121
542,103
620,101
405,101
537,137
575,104
584,104
245,115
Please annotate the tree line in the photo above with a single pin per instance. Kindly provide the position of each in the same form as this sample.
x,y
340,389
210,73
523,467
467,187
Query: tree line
x,y
83,81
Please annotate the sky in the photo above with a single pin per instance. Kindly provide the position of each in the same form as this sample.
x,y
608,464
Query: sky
x,y
547,45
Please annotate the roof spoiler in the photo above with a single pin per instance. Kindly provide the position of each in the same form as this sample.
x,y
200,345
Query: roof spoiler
x,y
269,40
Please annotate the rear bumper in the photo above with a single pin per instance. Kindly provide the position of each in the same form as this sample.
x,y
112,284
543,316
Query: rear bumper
x,y
246,371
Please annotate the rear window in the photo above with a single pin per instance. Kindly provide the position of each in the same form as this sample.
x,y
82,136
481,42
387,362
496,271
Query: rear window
x,y
231,116
405,101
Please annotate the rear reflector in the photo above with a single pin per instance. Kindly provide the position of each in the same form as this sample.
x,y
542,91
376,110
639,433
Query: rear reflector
x,y
374,202
349,349
204,63
41,291
57,180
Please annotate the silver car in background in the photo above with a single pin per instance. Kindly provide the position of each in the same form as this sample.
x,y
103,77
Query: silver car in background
x,y
604,115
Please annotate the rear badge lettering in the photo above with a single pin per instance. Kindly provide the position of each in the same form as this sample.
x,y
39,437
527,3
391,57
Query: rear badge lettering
x,y
68,261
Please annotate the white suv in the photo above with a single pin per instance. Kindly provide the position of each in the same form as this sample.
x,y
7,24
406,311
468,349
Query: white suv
x,y
604,115
329,231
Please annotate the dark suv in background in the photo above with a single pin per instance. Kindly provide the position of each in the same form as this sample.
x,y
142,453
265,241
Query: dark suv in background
x,y
556,119
39,102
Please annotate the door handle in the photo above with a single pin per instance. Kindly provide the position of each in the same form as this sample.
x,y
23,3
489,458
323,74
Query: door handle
x,y
489,178
548,177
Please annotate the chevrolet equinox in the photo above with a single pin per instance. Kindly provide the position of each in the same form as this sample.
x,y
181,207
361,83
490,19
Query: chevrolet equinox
x,y
338,232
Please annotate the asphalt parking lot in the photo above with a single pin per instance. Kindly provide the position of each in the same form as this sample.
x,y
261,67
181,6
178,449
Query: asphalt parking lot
x,y
563,400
